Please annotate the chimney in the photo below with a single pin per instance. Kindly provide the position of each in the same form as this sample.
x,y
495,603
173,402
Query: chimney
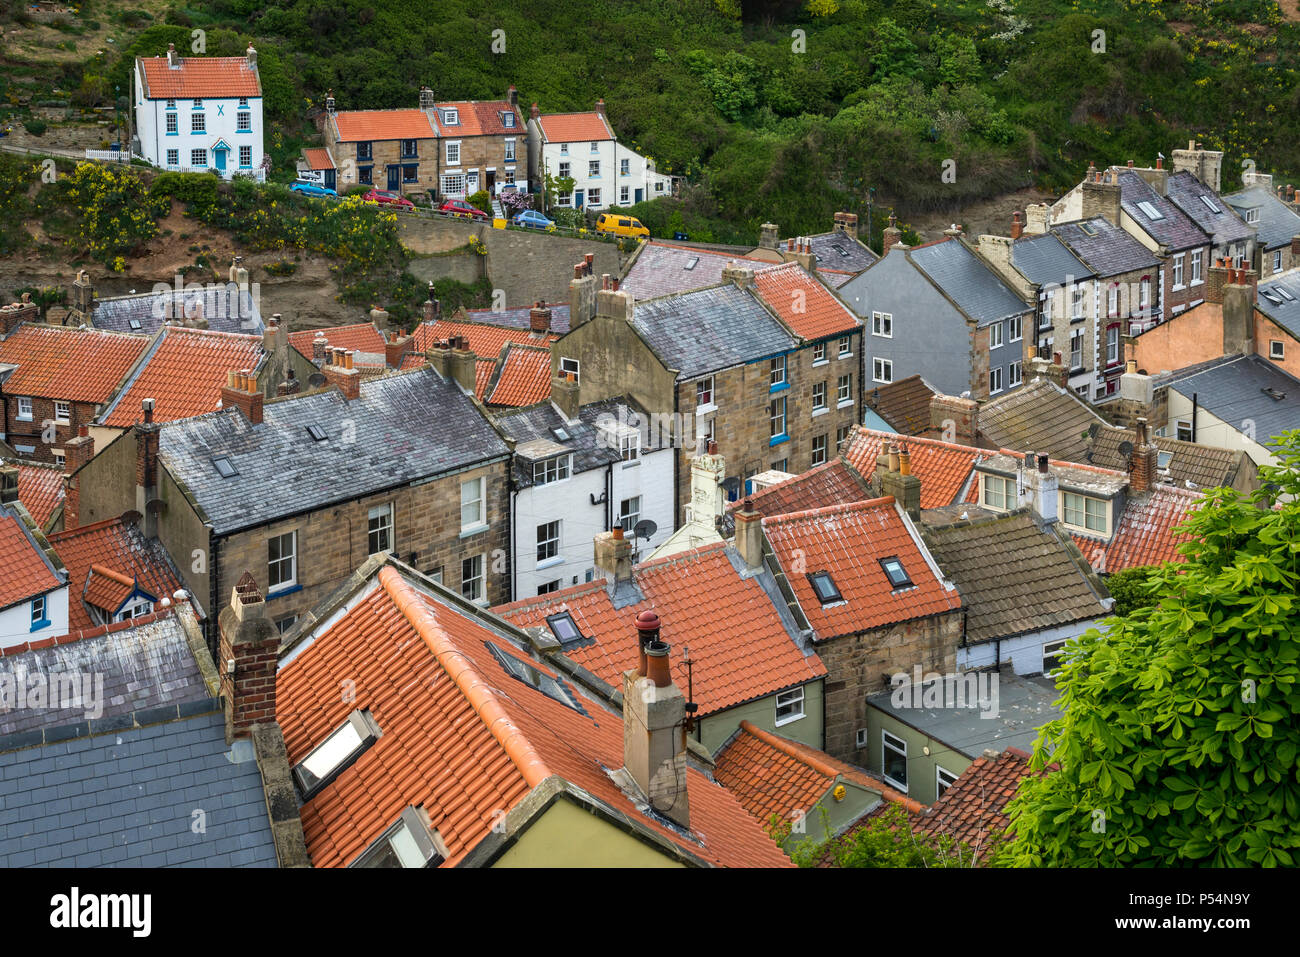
x,y
539,318
1050,369
1017,227
8,484
464,365
749,536
173,61
320,347
847,223
802,253
1142,466
708,501
1036,217
512,96
270,332
654,729
534,112
426,99
614,305
83,294
431,308
953,231
77,452
1295,249
1101,197
741,276
1205,165
1239,313
290,385
899,482
378,318
1216,277
1039,487
329,101
582,295
15,314
339,372
395,351
251,54
953,419
146,468
768,237
248,654
613,552
1136,391
600,107
564,393
892,235
241,392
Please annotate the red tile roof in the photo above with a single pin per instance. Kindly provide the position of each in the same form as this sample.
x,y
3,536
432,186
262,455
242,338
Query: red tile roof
x,y
23,571
199,78
829,484
848,541
525,377
460,737
740,648
357,336
40,489
480,119
369,125
115,547
805,305
483,370
75,365
106,589
318,157
1145,532
574,127
942,467
485,341
774,777
184,374
972,809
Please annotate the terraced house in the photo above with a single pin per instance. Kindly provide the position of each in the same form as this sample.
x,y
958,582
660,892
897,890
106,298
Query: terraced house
x,y
300,490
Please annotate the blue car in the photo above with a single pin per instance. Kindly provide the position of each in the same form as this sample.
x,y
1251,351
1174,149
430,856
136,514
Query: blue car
x,y
533,219
311,189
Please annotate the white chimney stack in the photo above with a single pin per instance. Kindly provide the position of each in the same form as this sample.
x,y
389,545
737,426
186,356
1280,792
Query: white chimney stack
x,y
654,727
1039,488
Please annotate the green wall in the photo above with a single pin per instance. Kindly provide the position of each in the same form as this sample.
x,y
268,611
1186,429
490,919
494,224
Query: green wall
x,y
921,784
717,728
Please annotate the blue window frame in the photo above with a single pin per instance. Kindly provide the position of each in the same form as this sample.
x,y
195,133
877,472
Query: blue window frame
x,y
365,151
40,613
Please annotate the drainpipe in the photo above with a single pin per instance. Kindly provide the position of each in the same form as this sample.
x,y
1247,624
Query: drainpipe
x,y
609,497
1195,408
214,589
512,491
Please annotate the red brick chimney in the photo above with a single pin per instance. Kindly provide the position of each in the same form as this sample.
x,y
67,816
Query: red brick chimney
x,y
395,351
339,372
534,112
1017,226
539,318
249,651
1142,466
600,107
892,235
16,313
77,452
749,535
241,391
146,468
1215,279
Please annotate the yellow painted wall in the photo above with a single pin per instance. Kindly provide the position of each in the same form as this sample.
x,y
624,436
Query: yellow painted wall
x,y
569,836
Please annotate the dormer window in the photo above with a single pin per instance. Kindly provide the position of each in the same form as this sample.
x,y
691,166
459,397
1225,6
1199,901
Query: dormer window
x,y
895,572
824,587
508,120
551,470
451,117
1084,513
998,493
1252,215
411,842
336,753
564,628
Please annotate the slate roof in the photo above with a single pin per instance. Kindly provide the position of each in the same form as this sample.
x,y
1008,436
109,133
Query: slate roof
x,y
833,483
183,371
539,422
143,664
71,364
1104,248
805,305
204,77
479,119
972,809
1025,704
663,269
1232,389
369,125
519,318
840,252
710,329
40,488
1277,224
944,468
1271,300
1144,534
225,308
903,404
1045,259
126,797
1040,417
408,426
849,541
1015,577
26,571
1203,466
1173,229
1186,192
574,127
967,281
485,341
522,376
117,546
421,662
740,641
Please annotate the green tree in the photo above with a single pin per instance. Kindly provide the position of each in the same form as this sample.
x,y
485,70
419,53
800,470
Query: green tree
x,y
1132,589
1181,721
892,51
958,63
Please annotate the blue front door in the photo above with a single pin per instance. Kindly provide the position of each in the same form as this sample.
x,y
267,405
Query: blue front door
x,y
640,195
219,157
394,178
577,199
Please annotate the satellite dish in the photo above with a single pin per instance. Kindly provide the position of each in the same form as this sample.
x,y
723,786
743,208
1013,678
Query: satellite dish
x,y
1126,448
645,529
316,380
731,486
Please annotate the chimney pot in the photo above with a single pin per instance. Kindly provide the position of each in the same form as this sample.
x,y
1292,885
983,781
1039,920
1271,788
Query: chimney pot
x,y
657,664
1042,464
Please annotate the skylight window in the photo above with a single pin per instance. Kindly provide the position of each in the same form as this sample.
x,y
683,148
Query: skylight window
x,y
1214,208
1150,210
691,263
534,678
225,468
1087,230
840,249
1271,296
895,572
1284,293
560,434
411,842
336,753
564,628
825,588
1163,459
133,323
316,432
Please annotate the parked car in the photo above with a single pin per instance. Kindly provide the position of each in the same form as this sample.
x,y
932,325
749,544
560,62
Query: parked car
x,y
308,188
385,198
462,210
616,225
533,219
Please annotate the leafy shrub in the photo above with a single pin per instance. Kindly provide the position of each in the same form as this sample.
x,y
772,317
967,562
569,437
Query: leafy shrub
x,y
195,190
281,268
35,127
116,215
481,200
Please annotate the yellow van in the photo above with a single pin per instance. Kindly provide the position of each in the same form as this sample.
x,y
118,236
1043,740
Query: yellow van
x,y
617,225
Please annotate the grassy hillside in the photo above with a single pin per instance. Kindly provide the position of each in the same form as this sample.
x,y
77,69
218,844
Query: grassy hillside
x,y
791,120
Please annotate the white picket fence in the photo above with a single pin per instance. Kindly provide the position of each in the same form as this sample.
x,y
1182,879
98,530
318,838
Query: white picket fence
x,y
110,156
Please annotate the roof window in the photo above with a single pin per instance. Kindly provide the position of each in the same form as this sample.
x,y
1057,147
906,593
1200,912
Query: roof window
x,y
411,842
336,753
225,468
1213,206
691,263
895,572
1150,210
316,432
564,628
533,677
825,588
560,434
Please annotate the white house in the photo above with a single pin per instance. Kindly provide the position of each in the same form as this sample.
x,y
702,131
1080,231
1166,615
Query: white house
x,y
34,590
583,146
576,477
196,114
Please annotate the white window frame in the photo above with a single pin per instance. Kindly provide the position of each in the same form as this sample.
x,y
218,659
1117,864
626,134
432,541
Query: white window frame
x,y
290,557
1016,326
573,366
818,396
242,151
629,512
1277,260
995,381
882,370
1015,373
39,613
1177,274
995,336
704,395
24,413
882,324
1196,269
792,702
819,443
173,126
899,749
198,122
243,122
776,372
1276,349
997,492
593,169
940,785
845,348
472,496
451,117
1050,650
625,167
385,529
819,354
548,543
510,150
478,564
773,417
844,391
452,153
1183,427
1101,509
1144,294
1076,337
552,470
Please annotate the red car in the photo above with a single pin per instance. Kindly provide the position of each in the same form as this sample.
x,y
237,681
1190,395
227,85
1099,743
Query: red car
x,y
462,210
386,198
